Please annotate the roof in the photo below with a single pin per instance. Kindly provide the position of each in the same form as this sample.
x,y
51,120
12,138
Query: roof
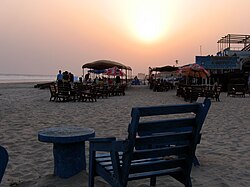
x,y
105,64
235,38
165,68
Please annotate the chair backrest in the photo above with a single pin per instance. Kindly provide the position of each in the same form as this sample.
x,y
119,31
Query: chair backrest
x,y
78,86
162,131
52,88
4,157
63,89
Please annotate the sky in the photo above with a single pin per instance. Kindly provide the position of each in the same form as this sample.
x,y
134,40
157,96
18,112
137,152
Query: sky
x,y
43,36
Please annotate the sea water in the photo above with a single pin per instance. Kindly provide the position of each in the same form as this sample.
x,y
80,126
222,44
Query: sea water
x,y
23,78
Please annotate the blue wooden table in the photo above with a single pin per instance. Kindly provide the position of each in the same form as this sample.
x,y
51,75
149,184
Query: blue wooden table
x,y
68,148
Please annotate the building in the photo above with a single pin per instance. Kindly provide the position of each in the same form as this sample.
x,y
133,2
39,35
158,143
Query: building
x,y
232,60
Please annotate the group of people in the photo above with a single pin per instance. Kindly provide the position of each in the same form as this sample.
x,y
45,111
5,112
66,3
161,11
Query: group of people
x,y
65,77
68,77
101,80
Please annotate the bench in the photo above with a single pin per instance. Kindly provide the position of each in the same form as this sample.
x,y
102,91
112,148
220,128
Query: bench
x,y
4,158
213,93
236,90
196,92
161,141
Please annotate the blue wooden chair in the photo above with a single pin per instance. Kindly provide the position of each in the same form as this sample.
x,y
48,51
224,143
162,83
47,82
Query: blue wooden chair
x,y
4,157
165,146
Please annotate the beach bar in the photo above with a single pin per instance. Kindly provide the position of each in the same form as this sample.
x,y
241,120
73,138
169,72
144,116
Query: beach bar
x,y
232,60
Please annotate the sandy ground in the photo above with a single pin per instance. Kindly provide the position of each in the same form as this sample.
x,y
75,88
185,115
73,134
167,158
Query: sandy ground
x,y
224,152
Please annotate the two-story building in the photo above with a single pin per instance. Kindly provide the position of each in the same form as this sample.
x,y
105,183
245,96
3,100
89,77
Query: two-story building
x,y
232,60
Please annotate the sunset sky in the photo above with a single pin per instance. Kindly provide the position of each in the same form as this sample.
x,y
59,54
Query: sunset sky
x,y
43,36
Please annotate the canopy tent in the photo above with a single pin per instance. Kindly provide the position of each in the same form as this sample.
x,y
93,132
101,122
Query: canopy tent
x,y
164,68
161,72
105,64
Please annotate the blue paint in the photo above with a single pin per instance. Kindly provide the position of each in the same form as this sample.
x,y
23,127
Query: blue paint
x,y
159,146
68,148
4,158
218,62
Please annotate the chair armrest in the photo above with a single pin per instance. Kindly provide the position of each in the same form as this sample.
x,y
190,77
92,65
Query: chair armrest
x,y
96,140
101,144
120,145
109,144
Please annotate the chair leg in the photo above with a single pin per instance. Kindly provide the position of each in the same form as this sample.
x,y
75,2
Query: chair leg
x,y
3,162
196,161
91,180
153,181
91,169
189,183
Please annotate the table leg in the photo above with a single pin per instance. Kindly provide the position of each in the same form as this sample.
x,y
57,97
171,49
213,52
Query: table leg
x,y
69,159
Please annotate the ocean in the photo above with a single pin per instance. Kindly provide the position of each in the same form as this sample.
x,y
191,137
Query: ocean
x,y
23,78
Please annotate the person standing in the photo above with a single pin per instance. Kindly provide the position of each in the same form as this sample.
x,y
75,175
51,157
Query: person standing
x,y
59,77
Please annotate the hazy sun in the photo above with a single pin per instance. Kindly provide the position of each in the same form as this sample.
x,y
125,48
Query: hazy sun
x,y
149,20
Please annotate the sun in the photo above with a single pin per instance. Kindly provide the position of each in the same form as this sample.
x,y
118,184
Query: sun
x,y
148,27
149,21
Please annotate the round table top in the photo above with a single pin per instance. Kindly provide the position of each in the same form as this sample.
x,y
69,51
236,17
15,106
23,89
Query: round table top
x,y
65,134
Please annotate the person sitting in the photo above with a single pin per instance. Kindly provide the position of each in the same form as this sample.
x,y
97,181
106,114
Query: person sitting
x,y
71,77
80,79
136,81
105,82
110,82
89,81
117,80
65,77
87,77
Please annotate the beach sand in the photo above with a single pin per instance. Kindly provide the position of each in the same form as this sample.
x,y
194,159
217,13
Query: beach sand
x,y
224,151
